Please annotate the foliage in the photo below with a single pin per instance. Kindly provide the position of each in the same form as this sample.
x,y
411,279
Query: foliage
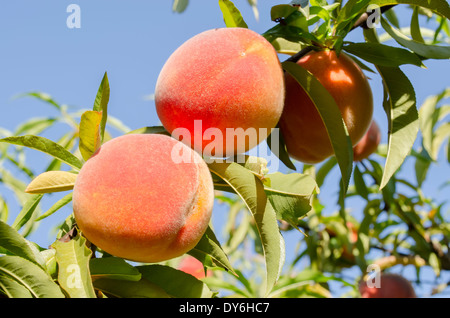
x,y
399,223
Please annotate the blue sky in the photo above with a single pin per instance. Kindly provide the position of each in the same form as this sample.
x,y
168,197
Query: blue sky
x,y
131,40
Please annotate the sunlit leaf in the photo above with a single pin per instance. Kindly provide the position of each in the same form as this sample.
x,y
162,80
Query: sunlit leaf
x,y
231,15
331,116
403,120
52,181
175,282
90,133
46,146
73,267
29,275
251,190
101,103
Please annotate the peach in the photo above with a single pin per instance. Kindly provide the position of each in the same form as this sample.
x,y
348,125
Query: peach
x,y
301,125
368,144
135,199
193,266
230,82
391,286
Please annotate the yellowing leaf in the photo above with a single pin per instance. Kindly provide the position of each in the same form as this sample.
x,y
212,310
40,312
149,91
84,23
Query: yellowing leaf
x,y
52,181
90,130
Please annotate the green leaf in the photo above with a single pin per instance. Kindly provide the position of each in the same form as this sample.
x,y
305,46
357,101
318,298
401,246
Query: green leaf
x,y
425,50
113,268
324,170
403,120
429,115
52,181
90,133
29,275
210,246
41,96
348,15
435,264
27,211
351,9
34,126
331,116
251,190
415,27
360,185
56,206
290,195
16,244
440,135
46,146
12,288
421,167
101,103
179,6
73,267
380,54
440,7
289,15
176,283
231,15
129,289
281,151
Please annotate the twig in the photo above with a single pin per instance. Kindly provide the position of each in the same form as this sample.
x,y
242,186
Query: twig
x,y
362,21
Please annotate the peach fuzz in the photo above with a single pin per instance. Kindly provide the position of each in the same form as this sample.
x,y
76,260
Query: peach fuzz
x,y
132,200
225,78
302,127
368,144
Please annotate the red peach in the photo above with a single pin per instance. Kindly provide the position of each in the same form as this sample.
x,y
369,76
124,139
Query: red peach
x,y
135,200
226,78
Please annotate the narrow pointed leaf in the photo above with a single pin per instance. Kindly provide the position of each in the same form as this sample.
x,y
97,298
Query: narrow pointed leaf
x,y
113,268
251,190
440,7
231,15
381,54
426,50
210,246
52,181
331,116
90,133
27,211
175,282
56,206
403,119
46,146
101,103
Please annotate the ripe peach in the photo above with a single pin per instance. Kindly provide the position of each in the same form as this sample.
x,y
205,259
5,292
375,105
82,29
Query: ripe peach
x,y
391,286
193,266
368,144
226,78
302,127
134,198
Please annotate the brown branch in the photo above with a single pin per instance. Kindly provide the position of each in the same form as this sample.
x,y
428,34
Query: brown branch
x,y
362,21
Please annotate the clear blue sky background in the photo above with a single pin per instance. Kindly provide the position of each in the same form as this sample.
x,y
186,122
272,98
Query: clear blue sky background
x,y
131,40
